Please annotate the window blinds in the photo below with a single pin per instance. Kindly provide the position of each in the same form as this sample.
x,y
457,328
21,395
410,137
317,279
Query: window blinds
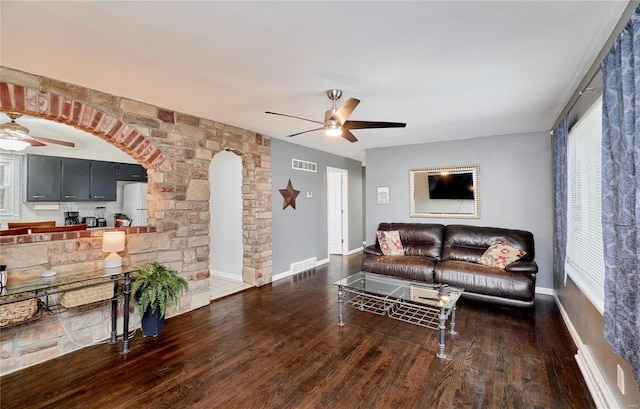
x,y
585,260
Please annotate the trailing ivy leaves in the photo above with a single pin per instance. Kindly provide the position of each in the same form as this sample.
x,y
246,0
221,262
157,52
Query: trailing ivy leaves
x,y
157,287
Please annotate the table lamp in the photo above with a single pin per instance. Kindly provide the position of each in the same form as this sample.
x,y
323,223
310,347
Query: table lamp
x,y
113,241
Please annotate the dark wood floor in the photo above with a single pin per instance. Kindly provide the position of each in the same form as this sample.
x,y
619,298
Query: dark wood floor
x,y
279,346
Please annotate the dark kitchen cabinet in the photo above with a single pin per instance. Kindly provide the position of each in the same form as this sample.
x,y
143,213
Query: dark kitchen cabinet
x,y
103,181
76,180
44,178
131,172
53,179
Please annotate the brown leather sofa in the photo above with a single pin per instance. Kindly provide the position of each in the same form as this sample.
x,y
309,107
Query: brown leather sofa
x,y
436,253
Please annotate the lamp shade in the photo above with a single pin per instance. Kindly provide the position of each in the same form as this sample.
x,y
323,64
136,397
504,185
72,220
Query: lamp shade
x,y
113,241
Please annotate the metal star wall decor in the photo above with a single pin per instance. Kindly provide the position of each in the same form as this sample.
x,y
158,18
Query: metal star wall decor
x,y
289,195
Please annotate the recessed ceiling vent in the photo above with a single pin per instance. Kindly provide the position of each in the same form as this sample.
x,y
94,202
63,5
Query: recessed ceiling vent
x,y
304,165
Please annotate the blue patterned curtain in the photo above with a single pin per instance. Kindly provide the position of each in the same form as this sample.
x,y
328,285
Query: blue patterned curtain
x,y
621,193
560,135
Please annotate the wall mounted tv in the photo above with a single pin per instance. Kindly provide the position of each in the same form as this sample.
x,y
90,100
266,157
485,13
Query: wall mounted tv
x,y
453,186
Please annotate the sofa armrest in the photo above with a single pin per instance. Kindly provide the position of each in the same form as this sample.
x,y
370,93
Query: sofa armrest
x,y
373,249
520,266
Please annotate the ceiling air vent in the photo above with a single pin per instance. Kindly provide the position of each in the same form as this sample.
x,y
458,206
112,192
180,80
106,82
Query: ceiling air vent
x,y
304,165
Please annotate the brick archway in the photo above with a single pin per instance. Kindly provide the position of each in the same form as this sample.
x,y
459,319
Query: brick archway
x,y
177,149
80,115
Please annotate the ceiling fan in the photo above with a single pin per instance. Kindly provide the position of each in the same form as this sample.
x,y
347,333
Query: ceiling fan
x,y
15,137
336,122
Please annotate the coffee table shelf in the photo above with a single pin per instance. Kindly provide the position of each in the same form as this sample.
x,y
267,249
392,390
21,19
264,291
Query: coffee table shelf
x,y
422,304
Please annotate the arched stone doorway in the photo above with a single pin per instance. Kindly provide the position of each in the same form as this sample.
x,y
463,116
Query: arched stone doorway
x,y
225,179
176,149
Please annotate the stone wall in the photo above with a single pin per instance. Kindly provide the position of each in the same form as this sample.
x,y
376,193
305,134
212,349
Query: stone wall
x,y
176,148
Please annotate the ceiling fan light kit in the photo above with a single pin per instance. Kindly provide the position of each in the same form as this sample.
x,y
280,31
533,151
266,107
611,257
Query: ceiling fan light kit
x,y
333,130
15,137
335,119
9,144
11,137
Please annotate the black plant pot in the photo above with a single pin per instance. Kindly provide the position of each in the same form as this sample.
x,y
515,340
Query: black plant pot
x,y
152,324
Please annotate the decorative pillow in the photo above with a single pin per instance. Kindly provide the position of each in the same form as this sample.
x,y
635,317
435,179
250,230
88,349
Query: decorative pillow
x,y
390,243
501,255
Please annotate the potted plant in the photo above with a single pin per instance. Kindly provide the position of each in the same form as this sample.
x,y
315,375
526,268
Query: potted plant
x,y
156,287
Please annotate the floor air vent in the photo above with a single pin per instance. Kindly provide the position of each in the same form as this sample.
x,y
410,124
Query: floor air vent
x,y
303,265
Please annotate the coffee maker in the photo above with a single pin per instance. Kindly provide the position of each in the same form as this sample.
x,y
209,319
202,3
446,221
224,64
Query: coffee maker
x,y
101,221
71,218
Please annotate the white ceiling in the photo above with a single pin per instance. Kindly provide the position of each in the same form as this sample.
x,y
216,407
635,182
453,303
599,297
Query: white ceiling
x,y
449,69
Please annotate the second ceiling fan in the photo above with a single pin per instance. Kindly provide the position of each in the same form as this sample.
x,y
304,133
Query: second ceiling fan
x,y
16,137
336,121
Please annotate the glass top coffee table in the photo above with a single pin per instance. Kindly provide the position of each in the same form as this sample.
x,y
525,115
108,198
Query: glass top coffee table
x,y
415,302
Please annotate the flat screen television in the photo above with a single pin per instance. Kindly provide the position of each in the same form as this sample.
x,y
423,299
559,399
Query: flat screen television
x,y
453,186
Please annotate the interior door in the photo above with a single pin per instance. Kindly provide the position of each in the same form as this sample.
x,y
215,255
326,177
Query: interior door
x,y
336,209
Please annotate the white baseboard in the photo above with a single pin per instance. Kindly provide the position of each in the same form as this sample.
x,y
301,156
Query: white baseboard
x,y
545,291
282,275
354,251
289,273
567,322
600,390
226,276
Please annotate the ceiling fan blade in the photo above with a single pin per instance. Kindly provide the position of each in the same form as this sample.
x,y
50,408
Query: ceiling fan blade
x,y
346,134
49,140
296,117
300,133
372,124
345,110
33,142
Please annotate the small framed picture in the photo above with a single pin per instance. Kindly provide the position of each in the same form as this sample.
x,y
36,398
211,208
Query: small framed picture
x,y
383,195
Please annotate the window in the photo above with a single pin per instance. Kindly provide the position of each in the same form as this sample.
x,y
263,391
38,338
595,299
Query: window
x,y
9,186
585,260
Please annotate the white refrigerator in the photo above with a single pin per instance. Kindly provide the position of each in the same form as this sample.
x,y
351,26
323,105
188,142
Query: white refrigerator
x,y
134,203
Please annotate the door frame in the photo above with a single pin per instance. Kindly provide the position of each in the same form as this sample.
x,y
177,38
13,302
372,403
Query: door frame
x,y
344,193
229,163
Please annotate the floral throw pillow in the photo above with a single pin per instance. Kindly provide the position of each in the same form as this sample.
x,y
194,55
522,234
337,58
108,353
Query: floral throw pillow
x,y
501,255
390,243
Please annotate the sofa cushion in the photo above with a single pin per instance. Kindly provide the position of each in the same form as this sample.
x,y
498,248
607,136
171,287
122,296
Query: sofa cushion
x,y
390,243
481,279
416,268
468,243
501,255
418,239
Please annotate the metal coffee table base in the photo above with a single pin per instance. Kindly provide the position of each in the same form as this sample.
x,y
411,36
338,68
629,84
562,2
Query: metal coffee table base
x,y
415,313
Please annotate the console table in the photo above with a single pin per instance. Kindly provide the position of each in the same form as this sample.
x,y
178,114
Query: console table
x,y
44,288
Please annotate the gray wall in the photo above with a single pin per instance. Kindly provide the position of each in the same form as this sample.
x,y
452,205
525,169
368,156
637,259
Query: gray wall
x,y
302,233
515,185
